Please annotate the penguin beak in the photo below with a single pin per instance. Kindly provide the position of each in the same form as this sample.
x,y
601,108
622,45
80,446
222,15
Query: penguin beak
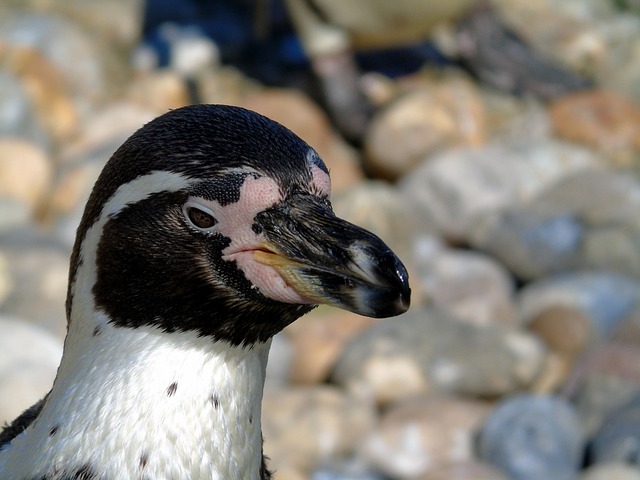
x,y
331,261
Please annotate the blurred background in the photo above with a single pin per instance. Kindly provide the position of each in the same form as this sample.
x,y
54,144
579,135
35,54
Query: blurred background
x,y
494,145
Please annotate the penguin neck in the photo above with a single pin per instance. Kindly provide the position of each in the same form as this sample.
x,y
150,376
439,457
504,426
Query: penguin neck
x,y
143,403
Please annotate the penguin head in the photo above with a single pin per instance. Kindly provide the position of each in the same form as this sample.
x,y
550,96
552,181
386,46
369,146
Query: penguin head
x,y
218,220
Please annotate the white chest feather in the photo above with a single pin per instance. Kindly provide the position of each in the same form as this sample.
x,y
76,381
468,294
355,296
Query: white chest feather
x,y
147,405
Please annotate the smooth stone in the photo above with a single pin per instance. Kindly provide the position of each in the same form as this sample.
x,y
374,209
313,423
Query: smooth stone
x,y
28,365
471,285
605,299
618,438
564,329
73,53
280,361
348,469
26,172
605,378
381,209
18,116
14,214
587,219
435,116
472,470
159,91
304,427
427,350
423,434
6,282
605,121
456,188
611,471
318,339
533,437
297,112
39,271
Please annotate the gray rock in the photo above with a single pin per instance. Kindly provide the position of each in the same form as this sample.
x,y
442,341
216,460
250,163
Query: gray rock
x,y
17,114
533,437
618,439
472,286
429,350
39,270
584,220
456,187
28,365
605,299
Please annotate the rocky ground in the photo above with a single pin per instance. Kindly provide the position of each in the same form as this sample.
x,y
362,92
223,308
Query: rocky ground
x,y
518,221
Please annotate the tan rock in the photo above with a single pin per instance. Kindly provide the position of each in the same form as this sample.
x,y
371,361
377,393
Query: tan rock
x,y
471,470
318,339
603,120
25,171
564,329
431,118
159,91
305,426
611,471
424,434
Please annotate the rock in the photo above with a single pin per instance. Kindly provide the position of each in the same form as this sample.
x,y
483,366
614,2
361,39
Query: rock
x,y
74,54
25,172
604,299
611,471
533,437
159,91
608,377
602,120
280,360
379,207
585,220
318,339
6,282
297,112
424,434
303,427
471,470
618,438
428,350
564,329
350,469
472,286
455,188
39,272
18,116
437,116
28,365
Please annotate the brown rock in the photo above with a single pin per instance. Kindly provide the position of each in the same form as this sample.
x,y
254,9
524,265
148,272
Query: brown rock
x,y
432,118
602,120
564,329
318,339
25,172
297,112
159,91
471,470
303,427
611,471
424,434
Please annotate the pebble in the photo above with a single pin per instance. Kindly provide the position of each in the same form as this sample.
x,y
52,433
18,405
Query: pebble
x,y
306,426
603,299
453,189
605,121
427,350
318,339
618,438
471,470
533,437
28,365
611,471
26,172
564,329
423,434
436,116
18,117
470,285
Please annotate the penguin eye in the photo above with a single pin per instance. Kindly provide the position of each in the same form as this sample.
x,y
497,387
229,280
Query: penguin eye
x,y
199,216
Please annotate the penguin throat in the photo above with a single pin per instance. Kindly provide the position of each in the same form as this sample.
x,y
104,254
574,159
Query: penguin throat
x,y
141,403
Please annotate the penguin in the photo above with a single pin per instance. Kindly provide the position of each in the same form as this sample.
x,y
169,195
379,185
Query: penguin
x,y
208,231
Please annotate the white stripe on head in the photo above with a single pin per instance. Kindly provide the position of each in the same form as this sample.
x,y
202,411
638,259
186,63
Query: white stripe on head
x,y
127,194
